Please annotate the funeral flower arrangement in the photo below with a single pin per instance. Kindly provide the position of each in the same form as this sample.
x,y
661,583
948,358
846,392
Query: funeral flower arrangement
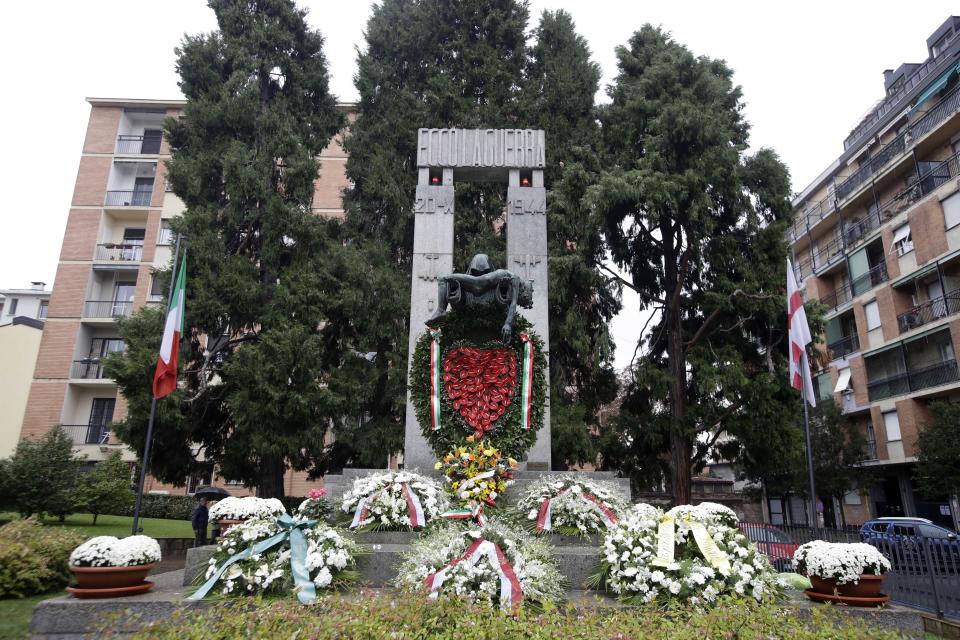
x,y
494,565
571,505
691,554
233,508
842,562
315,505
477,472
399,500
330,559
107,551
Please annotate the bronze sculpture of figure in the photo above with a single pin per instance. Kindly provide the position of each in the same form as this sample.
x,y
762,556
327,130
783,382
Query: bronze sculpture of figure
x,y
482,284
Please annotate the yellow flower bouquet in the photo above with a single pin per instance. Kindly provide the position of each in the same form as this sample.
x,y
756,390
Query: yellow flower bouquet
x,y
477,472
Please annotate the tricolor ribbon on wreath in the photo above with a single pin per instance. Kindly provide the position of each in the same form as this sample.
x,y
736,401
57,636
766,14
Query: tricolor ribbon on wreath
x,y
666,544
526,388
544,518
511,594
471,511
435,377
291,529
414,509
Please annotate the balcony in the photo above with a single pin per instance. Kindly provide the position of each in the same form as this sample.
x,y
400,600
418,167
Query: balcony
x,y
87,433
947,105
923,378
132,198
139,145
883,157
87,369
844,346
857,229
930,311
112,252
840,296
828,254
107,308
870,279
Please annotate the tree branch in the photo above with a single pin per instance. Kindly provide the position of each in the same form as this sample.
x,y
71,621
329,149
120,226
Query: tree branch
x,y
626,283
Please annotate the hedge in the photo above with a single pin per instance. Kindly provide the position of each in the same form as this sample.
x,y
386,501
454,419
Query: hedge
x,y
34,558
383,615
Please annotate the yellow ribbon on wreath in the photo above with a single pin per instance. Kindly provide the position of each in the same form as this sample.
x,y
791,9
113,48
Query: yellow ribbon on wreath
x,y
666,544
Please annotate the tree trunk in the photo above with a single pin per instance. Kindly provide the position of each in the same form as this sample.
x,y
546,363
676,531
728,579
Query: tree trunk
x,y
270,484
95,518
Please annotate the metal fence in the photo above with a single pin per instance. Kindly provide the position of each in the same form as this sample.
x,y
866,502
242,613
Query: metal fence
x,y
924,573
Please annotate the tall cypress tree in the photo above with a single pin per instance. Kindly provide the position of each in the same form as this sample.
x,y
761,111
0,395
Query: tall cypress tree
x,y
698,224
559,88
265,292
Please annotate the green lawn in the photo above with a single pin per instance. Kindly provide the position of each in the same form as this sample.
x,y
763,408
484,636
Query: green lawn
x,y
117,525
15,616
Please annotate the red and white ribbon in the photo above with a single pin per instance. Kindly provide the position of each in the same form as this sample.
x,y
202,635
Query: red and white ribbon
x,y
544,518
414,509
363,510
511,594
435,377
526,385
471,511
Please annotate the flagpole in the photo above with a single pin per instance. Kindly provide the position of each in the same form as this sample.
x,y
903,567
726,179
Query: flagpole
x,y
145,463
814,521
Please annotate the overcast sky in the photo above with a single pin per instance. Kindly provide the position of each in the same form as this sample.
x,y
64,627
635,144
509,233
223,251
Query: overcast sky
x,y
808,74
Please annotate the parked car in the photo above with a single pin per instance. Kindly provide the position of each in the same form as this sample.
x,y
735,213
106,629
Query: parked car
x,y
906,542
772,542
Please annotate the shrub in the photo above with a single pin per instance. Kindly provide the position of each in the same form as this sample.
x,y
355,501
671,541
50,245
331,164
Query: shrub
x,y
384,616
107,488
33,558
46,473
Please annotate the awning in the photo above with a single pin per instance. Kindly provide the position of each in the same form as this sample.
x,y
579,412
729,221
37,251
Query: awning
x,y
843,382
935,87
901,234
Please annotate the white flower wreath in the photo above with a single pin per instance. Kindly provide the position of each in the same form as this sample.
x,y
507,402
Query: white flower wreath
x,y
571,505
380,500
330,560
529,558
630,549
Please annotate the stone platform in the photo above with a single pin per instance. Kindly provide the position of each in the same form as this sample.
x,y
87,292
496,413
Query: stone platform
x,y
338,483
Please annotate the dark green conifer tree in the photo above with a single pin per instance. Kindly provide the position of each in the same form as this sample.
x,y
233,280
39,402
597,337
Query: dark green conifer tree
x,y
266,277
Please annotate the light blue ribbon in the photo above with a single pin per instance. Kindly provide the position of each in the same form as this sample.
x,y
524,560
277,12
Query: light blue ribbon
x,y
291,529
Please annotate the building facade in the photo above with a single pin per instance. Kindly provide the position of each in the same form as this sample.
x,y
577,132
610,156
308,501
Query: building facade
x,y
19,345
117,234
876,239
31,303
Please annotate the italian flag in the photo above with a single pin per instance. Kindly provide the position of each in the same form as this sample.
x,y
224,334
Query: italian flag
x,y
165,378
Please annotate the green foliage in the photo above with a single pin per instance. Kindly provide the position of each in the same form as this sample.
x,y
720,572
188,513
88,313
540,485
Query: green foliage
x,y
477,326
106,489
267,310
33,558
938,457
44,475
697,225
376,616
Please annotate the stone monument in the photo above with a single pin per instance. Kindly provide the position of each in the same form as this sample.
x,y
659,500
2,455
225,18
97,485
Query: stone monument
x,y
514,157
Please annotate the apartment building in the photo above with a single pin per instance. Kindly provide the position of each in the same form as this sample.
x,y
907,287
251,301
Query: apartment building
x,y
876,239
117,234
30,303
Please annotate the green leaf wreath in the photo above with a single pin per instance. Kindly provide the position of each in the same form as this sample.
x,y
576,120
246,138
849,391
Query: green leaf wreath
x,y
479,327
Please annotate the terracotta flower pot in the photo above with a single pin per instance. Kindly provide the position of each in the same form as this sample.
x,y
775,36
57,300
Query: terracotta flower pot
x,y
867,587
111,577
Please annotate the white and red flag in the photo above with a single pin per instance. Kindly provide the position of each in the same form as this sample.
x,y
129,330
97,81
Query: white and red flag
x,y
165,377
799,339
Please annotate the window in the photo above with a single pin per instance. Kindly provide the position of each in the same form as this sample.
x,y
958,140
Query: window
x,y
902,240
942,43
871,452
872,311
42,312
166,234
13,307
891,422
951,210
156,289
843,381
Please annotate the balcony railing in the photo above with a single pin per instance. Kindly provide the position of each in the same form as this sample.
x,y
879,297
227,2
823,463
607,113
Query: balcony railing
x,y
840,296
107,308
947,105
844,346
923,378
137,198
930,311
856,229
135,145
870,279
87,433
119,252
828,254
889,151
88,369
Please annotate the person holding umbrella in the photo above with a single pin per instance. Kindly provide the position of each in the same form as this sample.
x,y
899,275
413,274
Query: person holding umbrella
x,y
200,517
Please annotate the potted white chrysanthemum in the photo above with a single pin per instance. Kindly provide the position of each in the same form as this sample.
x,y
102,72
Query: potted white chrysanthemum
x,y
105,566
843,571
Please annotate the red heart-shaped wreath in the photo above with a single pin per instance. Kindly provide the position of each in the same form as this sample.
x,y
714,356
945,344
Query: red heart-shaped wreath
x,y
480,383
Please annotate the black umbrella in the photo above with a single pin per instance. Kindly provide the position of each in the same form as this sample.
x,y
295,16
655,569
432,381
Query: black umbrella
x,y
210,493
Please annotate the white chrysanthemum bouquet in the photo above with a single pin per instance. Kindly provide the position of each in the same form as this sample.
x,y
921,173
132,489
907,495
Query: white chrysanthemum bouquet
x,y
839,561
571,505
495,565
232,508
107,551
394,500
694,554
